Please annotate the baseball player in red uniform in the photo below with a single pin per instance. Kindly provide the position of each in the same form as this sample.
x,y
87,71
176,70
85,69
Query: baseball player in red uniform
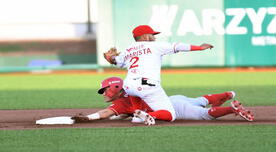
x,y
143,60
185,108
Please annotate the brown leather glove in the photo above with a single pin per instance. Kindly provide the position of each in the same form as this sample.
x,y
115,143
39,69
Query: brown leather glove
x,y
110,55
79,118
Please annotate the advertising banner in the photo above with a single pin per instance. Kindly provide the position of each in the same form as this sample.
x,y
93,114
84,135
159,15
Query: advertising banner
x,y
250,38
242,31
178,21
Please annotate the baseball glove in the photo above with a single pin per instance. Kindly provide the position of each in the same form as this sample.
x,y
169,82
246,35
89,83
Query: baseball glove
x,y
79,118
110,55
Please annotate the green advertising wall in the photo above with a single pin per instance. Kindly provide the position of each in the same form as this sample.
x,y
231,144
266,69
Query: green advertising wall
x,y
216,22
254,43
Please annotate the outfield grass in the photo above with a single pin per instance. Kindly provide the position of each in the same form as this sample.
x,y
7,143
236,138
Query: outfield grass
x,y
260,138
79,91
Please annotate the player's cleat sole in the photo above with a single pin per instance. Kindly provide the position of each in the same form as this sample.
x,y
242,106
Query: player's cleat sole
x,y
148,119
241,111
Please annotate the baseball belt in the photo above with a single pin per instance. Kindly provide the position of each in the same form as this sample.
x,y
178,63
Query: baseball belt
x,y
145,82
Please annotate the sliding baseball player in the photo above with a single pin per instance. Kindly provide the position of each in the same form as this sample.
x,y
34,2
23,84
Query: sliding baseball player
x,y
184,107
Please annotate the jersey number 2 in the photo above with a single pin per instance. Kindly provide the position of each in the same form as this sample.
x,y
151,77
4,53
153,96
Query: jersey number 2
x,y
134,60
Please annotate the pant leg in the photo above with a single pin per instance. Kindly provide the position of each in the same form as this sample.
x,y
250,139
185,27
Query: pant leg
x,y
185,110
199,101
159,101
154,96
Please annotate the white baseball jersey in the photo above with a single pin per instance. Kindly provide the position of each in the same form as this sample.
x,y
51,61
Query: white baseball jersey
x,y
143,60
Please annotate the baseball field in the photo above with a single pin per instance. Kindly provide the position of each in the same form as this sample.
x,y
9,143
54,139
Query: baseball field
x,y
25,98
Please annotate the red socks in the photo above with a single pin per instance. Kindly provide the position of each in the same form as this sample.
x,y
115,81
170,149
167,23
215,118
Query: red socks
x,y
220,111
218,99
161,115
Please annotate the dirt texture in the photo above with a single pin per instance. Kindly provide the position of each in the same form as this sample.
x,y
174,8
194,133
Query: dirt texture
x,y
25,119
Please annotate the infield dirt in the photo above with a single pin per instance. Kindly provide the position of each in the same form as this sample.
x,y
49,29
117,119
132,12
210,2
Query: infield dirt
x,y
25,119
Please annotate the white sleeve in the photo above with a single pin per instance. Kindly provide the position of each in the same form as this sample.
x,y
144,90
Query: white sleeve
x,y
120,60
171,48
181,47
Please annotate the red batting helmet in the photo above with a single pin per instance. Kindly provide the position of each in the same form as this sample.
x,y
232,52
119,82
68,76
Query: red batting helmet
x,y
114,83
143,29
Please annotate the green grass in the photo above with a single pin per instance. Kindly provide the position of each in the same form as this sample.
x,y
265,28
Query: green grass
x,y
10,48
253,89
260,138
79,91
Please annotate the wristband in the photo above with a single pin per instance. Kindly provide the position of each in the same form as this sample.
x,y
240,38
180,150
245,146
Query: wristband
x,y
94,116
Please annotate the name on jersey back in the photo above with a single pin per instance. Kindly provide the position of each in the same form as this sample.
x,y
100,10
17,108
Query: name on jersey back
x,y
136,51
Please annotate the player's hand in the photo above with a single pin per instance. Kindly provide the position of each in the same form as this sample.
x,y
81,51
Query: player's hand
x,y
206,46
79,118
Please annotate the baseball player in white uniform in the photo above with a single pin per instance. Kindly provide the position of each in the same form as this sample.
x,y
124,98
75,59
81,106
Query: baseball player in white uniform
x,y
143,60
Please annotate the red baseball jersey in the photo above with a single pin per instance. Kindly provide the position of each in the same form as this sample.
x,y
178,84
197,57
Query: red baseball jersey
x,y
128,104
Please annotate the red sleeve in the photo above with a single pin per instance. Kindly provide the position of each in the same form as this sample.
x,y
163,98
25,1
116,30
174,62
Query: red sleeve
x,y
118,107
196,48
128,105
138,103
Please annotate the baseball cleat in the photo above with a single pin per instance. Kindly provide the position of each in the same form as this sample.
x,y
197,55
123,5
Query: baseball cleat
x,y
233,94
136,120
241,111
228,95
147,119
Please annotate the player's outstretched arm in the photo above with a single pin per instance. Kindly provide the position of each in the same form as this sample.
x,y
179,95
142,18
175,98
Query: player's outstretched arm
x,y
105,113
182,47
201,47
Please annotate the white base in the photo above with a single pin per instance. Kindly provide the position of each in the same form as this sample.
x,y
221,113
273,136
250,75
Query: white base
x,y
56,121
